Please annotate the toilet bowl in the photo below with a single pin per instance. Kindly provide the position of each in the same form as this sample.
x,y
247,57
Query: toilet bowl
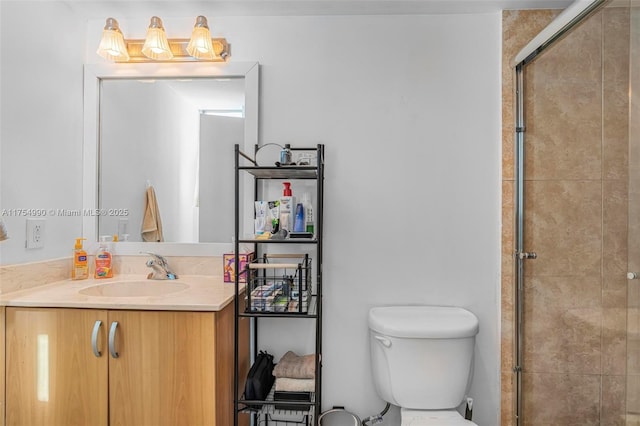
x,y
422,361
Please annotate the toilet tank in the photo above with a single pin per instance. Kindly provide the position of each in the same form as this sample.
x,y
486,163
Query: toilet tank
x,y
422,356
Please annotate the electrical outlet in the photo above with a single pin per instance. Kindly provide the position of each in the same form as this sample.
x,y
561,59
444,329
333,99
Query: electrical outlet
x,y
35,233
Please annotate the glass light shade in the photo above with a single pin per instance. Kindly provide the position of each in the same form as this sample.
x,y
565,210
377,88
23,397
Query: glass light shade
x,y
156,45
200,45
112,45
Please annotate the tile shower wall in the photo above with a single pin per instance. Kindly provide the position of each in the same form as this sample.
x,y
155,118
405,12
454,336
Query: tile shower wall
x,y
576,221
633,326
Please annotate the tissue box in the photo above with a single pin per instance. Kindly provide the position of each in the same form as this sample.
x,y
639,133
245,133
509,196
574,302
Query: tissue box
x,y
229,265
263,298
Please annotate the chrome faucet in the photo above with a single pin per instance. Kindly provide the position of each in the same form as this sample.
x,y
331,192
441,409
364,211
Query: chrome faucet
x,y
160,266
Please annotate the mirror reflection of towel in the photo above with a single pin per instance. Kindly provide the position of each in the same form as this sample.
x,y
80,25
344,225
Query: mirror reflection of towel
x,y
3,231
151,223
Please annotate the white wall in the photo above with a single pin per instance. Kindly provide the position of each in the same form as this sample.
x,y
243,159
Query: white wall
x,y
40,124
215,170
408,107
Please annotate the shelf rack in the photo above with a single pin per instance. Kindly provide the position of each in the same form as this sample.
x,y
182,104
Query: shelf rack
x,y
264,412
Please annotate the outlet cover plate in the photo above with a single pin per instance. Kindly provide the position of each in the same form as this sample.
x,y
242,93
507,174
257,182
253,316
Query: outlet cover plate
x,y
35,233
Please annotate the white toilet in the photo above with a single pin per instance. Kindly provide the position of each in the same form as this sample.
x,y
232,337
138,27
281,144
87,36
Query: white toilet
x,y
422,361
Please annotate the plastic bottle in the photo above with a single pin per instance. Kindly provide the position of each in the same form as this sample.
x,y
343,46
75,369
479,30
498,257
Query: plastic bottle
x,y
285,155
299,223
104,259
308,211
286,208
80,268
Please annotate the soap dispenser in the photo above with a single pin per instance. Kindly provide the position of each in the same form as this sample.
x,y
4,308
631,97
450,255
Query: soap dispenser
x,y
104,259
286,208
80,268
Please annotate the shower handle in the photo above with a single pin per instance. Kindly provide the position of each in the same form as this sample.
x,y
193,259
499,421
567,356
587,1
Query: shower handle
x,y
632,275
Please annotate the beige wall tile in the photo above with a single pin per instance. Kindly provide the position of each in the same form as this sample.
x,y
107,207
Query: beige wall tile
x,y
508,239
633,358
613,401
614,341
563,128
577,58
507,325
615,235
506,399
562,325
615,131
561,399
571,213
633,394
616,43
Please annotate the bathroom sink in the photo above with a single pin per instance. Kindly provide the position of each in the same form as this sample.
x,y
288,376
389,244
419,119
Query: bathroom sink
x,y
139,288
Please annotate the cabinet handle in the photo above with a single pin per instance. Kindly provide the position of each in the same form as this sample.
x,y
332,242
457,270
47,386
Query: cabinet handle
x,y
94,338
112,340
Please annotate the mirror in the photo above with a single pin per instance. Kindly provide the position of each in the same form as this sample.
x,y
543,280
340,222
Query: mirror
x,y
175,136
171,127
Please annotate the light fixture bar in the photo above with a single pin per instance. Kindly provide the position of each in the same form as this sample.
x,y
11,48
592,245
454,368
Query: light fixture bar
x,y
179,49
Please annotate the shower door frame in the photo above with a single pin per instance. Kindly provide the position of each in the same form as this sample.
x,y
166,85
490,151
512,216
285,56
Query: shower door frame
x,y
582,12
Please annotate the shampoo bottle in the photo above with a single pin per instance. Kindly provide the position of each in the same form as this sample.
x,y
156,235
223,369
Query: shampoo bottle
x,y
286,208
80,268
104,259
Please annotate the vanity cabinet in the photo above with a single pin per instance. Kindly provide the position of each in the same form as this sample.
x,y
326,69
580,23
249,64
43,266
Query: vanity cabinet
x,y
119,367
1,365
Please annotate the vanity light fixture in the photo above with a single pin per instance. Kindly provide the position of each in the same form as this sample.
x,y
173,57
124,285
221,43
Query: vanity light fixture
x,y
157,48
112,45
156,45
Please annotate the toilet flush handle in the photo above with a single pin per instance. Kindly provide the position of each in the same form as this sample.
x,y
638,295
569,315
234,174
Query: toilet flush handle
x,y
385,342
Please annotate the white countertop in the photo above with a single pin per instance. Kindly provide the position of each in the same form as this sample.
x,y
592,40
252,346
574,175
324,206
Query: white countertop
x,y
191,293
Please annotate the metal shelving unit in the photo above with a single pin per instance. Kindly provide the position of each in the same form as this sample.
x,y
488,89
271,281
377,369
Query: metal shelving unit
x,y
266,412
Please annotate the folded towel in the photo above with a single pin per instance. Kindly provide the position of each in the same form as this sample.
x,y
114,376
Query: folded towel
x,y
285,384
151,223
296,367
3,231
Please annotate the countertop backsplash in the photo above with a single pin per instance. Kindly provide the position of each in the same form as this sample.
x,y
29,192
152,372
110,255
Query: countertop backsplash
x,y
30,275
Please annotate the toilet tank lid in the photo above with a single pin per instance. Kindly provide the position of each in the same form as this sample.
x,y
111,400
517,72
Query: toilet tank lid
x,y
435,322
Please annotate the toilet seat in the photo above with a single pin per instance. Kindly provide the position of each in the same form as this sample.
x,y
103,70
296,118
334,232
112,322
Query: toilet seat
x,y
433,418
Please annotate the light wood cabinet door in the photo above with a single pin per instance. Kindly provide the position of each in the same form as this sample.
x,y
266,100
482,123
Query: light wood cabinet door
x,y
2,365
165,370
53,376
158,367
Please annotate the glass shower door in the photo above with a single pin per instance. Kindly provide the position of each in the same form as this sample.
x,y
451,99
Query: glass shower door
x,y
576,215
